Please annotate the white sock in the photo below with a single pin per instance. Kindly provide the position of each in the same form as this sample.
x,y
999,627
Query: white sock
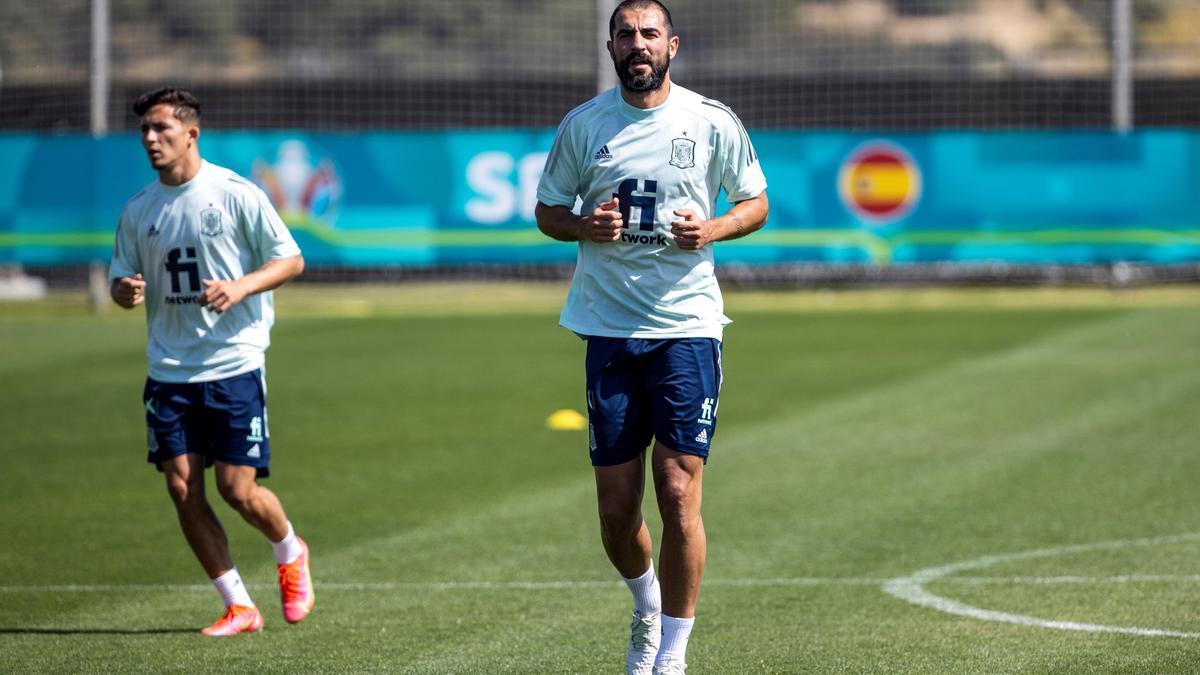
x,y
647,598
232,590
674,640
289,549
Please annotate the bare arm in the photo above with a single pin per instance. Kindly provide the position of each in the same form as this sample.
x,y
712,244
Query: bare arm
x,y
603,225
221,295
745,217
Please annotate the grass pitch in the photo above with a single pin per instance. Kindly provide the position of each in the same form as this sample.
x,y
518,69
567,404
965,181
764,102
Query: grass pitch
x,y
865,437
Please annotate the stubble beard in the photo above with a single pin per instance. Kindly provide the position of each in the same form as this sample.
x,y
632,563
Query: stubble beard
x,y
161,162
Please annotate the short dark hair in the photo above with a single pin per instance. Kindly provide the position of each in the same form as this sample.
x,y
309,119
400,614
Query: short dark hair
x,y
187,106
641,4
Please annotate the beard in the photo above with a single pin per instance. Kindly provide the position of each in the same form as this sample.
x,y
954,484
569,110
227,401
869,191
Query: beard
x,y
651,81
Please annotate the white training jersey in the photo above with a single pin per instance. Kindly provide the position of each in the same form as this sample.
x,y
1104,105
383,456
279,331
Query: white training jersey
x,y
678,155
216,226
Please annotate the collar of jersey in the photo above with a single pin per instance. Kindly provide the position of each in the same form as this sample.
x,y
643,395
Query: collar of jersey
x,y
635,113
176,189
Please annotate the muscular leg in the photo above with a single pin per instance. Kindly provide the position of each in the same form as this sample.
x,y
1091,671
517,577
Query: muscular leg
x,y
677,483
619,491
260,507
185,483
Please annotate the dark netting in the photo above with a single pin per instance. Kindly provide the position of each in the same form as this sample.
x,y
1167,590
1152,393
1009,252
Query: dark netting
x,y
837,64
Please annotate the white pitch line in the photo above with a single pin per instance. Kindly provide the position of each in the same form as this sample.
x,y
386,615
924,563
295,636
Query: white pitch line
x,y
438,585
912,588
580,584
558,585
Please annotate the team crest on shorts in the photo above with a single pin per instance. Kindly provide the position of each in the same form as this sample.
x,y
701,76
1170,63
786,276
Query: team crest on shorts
x,y
210,222
683,153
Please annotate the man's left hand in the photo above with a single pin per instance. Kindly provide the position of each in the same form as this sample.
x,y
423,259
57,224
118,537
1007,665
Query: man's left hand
x,y
691,233
219,296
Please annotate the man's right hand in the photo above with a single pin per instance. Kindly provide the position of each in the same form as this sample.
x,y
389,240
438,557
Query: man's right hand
x,y
605,223
128,292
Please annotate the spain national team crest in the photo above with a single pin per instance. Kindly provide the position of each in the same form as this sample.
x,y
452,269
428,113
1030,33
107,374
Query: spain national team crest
x,y
683,153
210,222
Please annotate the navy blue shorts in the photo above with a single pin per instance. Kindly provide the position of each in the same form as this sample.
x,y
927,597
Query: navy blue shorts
x,y
224,420
639,390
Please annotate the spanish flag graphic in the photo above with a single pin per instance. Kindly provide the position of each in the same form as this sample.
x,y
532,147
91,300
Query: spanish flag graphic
x,y
879,182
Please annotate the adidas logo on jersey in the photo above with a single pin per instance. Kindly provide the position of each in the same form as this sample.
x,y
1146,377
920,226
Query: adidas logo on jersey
x,y
603,153
702,437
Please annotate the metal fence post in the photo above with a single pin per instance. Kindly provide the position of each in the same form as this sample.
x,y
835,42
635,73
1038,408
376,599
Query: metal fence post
x,y
606,77
1122,65
99,68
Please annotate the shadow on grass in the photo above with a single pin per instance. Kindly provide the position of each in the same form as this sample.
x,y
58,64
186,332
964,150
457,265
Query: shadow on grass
x,y
95,631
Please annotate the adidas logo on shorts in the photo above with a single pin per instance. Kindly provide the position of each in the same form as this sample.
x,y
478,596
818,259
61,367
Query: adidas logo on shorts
x,y
702,437
603,153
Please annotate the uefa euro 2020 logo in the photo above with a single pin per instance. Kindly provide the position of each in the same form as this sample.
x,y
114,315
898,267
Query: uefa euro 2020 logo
x,y
303,191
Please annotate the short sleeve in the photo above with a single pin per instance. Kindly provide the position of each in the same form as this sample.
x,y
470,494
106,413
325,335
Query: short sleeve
x,y
265,229
742,176
560,181
126,259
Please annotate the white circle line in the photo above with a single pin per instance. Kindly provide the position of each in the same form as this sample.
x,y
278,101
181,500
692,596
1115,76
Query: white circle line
x,y
1079,580
912,588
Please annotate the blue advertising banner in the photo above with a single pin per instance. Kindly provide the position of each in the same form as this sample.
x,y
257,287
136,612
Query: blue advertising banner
x,y
437,198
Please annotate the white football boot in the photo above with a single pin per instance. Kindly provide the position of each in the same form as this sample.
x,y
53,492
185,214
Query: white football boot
x,y
645,632
671,668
